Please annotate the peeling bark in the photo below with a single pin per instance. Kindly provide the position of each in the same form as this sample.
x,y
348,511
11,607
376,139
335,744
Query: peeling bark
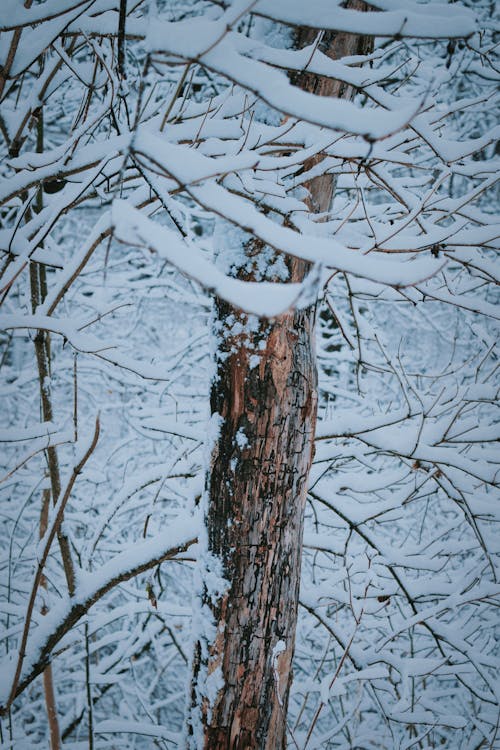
x,y
264,396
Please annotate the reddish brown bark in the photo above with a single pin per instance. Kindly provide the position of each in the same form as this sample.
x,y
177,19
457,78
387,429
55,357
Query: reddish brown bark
x,y
264,394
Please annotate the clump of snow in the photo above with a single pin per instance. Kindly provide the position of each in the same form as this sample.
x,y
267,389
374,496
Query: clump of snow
x,y
241,439
213,577
254,361
213,685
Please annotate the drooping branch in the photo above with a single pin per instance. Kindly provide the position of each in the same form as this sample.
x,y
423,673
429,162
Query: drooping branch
x,y
65,615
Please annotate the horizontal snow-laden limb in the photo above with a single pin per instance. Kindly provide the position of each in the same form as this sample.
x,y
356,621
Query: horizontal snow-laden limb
x,y
273,298
82,342
260,298
395,18
273,87
401,18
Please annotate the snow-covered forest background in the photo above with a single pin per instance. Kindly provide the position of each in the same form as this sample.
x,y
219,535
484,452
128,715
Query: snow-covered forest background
x,y
143,145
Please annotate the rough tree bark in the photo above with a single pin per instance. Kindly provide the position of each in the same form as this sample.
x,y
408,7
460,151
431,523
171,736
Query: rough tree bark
x,y
263,402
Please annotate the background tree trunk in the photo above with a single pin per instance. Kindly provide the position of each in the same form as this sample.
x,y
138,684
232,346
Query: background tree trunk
x,y
264,403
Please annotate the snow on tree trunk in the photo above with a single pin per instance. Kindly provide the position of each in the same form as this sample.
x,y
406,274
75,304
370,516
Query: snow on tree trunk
x,y
263,404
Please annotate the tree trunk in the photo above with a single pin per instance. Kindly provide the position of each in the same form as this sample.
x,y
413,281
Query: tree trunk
x,y
263,404
265,394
